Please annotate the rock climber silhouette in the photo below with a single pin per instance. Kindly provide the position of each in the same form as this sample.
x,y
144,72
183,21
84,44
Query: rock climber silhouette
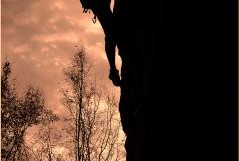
x,y
129,99
102,11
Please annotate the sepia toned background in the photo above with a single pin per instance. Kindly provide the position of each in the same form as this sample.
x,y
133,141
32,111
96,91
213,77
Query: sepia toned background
x,y
40,37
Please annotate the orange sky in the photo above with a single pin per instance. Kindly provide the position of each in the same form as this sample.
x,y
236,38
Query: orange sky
x,y
39,38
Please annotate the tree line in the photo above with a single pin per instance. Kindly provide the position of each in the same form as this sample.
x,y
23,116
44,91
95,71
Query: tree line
x,y
90,129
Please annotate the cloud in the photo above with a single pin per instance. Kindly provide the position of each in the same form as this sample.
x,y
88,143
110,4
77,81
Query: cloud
x,y
39,36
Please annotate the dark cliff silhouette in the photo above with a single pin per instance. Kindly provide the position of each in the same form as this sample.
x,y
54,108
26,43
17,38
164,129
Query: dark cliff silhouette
x,y
178,94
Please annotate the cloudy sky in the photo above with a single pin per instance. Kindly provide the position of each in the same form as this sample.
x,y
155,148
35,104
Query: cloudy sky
x,y
40,37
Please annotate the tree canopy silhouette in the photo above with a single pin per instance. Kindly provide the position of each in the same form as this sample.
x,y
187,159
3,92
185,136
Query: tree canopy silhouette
x,y
18,114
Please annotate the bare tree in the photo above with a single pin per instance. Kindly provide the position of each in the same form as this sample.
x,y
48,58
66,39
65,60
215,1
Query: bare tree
x,y
42,145
18,114
92,120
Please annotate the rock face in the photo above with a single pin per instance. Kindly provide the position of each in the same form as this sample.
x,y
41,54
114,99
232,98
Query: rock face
x,y
178,61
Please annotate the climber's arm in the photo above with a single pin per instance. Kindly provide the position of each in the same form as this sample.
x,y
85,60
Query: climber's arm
x,y
106,20
110,52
